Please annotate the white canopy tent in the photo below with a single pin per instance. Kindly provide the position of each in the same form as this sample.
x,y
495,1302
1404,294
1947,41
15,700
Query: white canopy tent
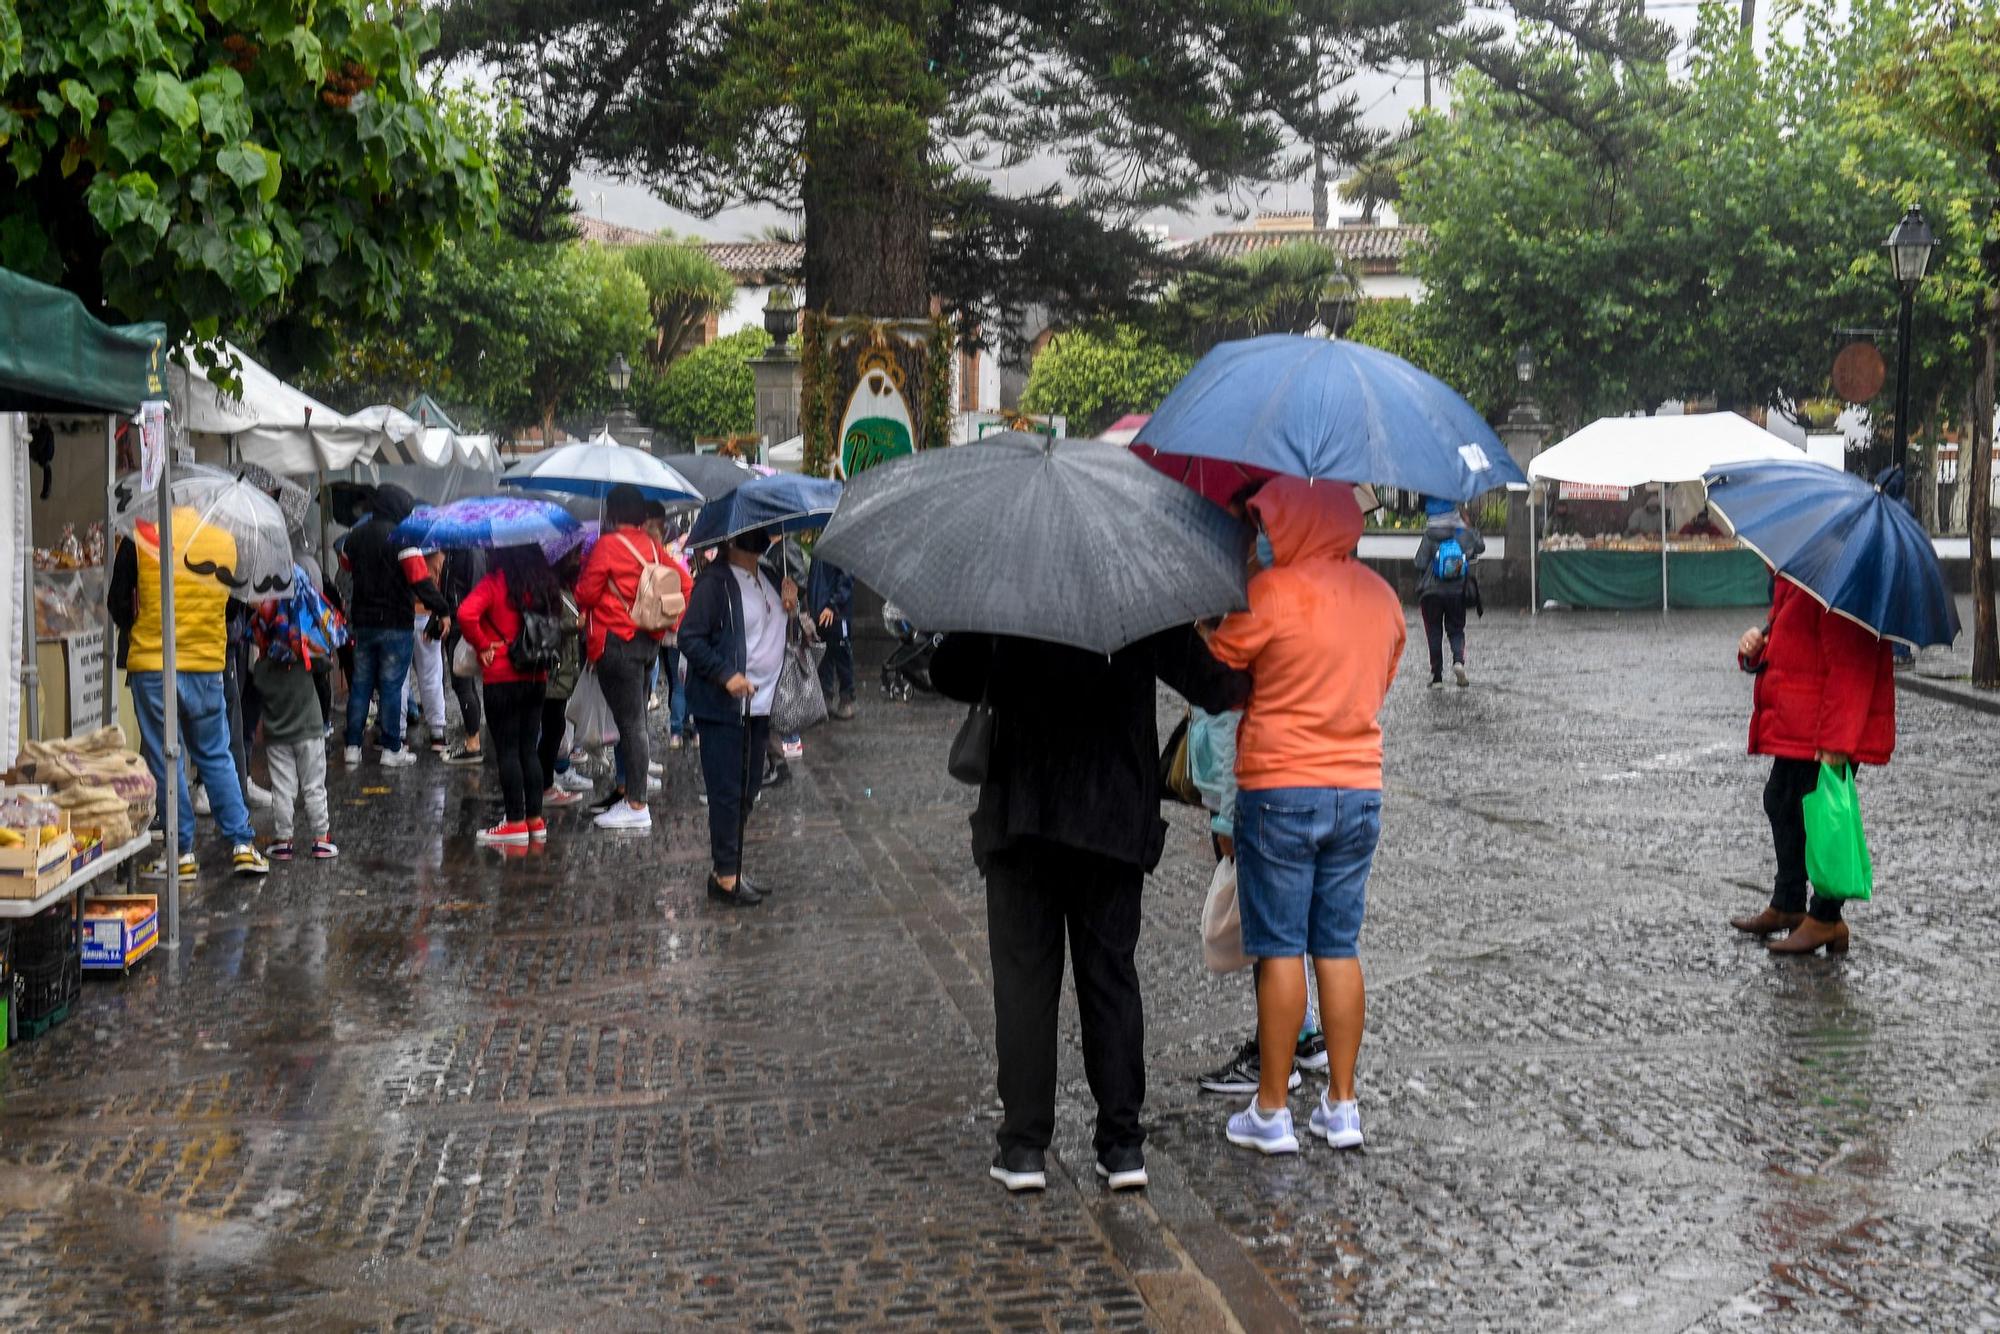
x,y
279,427
1630,452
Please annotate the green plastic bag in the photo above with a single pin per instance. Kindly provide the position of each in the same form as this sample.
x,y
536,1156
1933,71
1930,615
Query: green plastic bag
x,y
1836,847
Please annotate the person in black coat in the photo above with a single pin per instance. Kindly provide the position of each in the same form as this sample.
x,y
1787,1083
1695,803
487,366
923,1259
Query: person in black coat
x,y
1067,826
830,602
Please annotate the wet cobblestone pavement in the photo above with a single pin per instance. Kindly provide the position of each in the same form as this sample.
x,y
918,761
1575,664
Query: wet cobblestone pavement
x,y
427,1087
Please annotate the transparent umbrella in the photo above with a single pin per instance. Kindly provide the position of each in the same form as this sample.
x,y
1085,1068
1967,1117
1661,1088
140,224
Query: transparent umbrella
x,y
224,528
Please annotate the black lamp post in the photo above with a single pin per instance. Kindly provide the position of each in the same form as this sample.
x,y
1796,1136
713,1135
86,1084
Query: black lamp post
x,y
620,375
1909,245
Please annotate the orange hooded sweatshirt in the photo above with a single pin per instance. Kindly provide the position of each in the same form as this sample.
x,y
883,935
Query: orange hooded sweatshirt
x,y
1321,641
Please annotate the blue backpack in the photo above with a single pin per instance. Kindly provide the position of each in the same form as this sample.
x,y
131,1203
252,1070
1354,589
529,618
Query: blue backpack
x,y
1449,562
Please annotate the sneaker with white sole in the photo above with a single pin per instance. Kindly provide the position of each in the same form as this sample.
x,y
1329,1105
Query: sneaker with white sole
x,y
256,796
1458,675
623,816
1310,1053
1123,1168
244,859
1338,1123
398,759
1243,1074
459,755
1251,1129
351,756
1020,1169
508,833
575,780
156,869
654,769
557,797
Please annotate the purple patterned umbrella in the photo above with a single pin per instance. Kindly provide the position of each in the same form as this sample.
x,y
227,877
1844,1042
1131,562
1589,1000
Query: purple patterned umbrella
x,y
492,521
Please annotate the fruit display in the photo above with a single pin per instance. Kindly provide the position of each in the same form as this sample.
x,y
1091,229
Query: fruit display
x,y
29,821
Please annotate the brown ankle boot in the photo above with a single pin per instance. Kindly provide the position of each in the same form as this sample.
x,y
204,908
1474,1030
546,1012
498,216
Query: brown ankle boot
x,y
1809,936
1767,922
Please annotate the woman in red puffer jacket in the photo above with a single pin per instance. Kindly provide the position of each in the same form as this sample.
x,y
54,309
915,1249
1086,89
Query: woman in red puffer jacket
x,y
1826,694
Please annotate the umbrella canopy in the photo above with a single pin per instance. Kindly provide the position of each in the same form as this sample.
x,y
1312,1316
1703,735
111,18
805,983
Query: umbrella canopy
x,y
292,498
1331,410
784,501
1070,541
1636,451
492,521
55,356
1213,479
1854,549
1126,429
222,503
593,467
278,426
714,475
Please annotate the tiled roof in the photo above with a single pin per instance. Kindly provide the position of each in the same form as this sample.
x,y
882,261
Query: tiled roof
x,y
610,233
753,263
1378,247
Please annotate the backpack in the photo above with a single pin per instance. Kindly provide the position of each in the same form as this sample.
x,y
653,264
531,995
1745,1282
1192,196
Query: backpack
x,y
656,598
1448,565
302,628
538,648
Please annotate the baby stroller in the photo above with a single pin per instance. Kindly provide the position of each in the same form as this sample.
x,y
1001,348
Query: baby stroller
x,y
908,669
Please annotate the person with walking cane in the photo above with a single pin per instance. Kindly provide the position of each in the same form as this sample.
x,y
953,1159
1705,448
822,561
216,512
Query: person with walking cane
x,y
733,637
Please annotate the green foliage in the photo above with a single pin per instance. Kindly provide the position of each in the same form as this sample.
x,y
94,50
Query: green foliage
x,y
683,288
1275,290
218,163
1095,378
1409,331
711,391
938,382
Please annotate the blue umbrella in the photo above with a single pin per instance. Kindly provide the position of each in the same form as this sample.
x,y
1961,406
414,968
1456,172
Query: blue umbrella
x,y
492,521
1856,550
787,502
1332,410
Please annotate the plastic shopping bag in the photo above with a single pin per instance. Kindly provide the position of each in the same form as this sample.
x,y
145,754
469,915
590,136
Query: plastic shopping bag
x,y
1221,928
590,713
465,660
1836,846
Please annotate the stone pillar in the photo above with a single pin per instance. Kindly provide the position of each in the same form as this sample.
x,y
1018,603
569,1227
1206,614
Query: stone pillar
x,y
626,428
780,379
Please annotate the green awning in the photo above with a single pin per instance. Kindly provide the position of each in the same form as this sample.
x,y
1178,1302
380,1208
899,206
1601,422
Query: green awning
x,y
427,412
55,356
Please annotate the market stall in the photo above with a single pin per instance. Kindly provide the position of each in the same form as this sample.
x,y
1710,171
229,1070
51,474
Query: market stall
x,y
272,424
1644,559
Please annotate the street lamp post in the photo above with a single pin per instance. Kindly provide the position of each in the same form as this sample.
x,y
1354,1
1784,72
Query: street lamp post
x,y
619,376
1909,245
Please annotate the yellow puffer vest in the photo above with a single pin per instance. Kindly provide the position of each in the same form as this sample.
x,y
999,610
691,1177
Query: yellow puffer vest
x,y
201,603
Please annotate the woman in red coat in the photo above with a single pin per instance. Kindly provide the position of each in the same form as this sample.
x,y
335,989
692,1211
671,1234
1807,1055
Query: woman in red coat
x,y
1826,694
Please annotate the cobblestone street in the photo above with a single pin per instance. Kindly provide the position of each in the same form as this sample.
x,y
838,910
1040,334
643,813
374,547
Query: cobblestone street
x,y
426,1087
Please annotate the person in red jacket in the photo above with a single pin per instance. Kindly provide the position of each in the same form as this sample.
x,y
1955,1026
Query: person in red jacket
x,y
1826,694
622,653
518,584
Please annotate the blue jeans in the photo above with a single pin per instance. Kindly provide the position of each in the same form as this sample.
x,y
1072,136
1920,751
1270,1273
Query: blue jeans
x,y
677,694
205,713
1302,860
381,666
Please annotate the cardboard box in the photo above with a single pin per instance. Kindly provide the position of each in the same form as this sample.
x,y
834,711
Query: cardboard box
x,y
29,873
119,930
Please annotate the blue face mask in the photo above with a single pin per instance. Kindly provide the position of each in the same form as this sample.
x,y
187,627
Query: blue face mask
x,y
1265,556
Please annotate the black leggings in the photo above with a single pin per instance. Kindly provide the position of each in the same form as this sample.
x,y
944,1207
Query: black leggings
x,y
466,688
1444,616
548,752
1791,782
514,713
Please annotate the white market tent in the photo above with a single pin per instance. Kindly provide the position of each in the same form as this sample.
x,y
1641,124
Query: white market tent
x,y
1629,452
279,427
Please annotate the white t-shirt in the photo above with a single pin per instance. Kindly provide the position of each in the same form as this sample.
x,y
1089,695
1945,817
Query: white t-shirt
x,y
763,638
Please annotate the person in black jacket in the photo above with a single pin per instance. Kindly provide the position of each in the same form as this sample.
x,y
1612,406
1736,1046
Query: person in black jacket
x,y
1067,825
388,583
733,637
830,599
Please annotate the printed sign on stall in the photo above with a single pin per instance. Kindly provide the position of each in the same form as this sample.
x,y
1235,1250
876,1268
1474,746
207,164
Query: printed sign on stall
x,y
152,442
84,660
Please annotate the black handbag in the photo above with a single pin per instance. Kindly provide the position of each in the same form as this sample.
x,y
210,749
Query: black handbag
x,y
972,749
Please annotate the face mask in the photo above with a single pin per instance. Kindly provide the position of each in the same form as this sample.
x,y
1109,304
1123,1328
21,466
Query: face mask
x,y
755,543
1265,556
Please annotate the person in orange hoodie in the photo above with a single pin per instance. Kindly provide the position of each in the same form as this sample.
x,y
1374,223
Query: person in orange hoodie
x,y
1321,641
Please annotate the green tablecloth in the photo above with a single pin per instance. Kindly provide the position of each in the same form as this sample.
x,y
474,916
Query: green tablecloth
x,y
1631,579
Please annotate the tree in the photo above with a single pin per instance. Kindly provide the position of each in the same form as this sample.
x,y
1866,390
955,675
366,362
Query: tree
x,y
683,288
1275,290
218,163
1093,378
1406,329
711,391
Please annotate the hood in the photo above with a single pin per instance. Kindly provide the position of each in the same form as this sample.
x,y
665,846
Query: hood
x,y
1434,506
393,504
1308,520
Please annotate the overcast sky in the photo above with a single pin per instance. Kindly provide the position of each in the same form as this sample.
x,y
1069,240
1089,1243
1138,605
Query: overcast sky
x,y
1388,99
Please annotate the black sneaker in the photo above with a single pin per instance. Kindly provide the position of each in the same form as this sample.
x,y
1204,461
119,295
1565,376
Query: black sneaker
x,y
1123,1168
607,801
777,775
745,894
1311,1054
1243,1074
1020,1169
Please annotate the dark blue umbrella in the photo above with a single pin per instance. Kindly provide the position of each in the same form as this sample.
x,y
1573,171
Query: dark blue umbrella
x,y
1859,552
1331,410
786,502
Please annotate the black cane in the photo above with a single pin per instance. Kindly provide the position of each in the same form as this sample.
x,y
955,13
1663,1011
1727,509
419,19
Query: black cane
x,y
743,797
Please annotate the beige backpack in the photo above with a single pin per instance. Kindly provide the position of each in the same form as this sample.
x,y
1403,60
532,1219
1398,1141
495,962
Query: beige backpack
x,y
656,600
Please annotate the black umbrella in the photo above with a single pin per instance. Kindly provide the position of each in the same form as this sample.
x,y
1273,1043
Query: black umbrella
x,y
714,475
1071,541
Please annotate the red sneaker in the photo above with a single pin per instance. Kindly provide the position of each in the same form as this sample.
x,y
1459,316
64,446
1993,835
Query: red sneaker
x,y
508,833
538,830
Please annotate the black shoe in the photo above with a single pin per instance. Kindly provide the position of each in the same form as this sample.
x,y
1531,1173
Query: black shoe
x,y
761,890
745,894
1242,1075
607,801
1123,1168
777,775
1020,1169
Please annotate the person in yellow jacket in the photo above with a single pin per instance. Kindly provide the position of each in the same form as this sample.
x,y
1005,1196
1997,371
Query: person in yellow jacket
x,y
201,648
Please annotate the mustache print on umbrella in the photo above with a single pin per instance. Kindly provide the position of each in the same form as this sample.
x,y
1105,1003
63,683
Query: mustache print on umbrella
x,y
225,576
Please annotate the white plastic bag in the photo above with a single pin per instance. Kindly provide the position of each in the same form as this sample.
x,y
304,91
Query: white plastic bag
x,y
1221,928
465,660
589,713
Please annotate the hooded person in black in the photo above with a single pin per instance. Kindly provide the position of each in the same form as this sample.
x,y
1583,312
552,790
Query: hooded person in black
x,y
1067,826
388,583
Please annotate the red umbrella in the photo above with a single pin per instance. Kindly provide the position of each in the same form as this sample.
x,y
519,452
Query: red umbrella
x,y
1213,479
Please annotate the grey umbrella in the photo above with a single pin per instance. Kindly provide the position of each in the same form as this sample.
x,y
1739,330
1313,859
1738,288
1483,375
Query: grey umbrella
x,y
714,475
1071,541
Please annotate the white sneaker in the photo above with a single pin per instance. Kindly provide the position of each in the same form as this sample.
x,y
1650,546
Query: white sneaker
x,y
202,805
398,759
257,796
654,769
623,816
352,755
574,780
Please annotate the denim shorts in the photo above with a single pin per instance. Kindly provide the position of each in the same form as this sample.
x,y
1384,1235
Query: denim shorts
x,y
1302,861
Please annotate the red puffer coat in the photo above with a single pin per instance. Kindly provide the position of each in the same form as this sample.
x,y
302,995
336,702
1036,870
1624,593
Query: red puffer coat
x,y
1824,683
